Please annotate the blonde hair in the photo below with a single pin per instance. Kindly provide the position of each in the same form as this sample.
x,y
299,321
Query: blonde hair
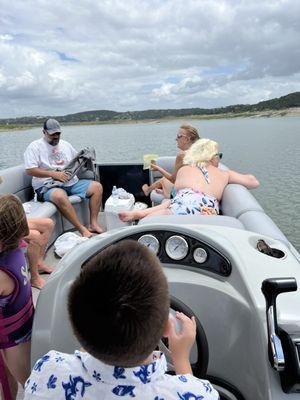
x,y
201,152
13,222
191,132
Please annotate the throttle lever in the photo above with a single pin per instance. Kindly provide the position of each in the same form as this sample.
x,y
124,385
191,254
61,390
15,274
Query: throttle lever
x,y
271,288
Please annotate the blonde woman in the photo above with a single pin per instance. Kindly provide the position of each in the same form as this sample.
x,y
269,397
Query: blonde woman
x,y
199,185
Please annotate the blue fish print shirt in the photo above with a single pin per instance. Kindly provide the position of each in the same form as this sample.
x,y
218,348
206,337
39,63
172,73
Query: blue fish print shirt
x,y
76,376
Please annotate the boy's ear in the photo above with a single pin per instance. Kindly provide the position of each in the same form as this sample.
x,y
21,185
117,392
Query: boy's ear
x,y
167,328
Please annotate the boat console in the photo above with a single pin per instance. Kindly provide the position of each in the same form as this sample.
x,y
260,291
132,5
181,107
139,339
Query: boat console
x,y
244,299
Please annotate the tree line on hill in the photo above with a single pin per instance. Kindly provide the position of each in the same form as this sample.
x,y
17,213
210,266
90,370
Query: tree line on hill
x,y
289,101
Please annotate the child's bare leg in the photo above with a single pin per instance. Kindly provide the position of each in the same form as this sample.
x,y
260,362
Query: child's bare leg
x,y
12,383
127,216
44,227
148,189
17,360
33,256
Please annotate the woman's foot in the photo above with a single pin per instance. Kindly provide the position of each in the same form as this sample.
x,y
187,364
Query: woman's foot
x,y
128,216
146,189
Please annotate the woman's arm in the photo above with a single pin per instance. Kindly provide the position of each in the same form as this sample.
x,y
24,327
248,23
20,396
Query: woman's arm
x,y
178,164
6,284
247,180
164,173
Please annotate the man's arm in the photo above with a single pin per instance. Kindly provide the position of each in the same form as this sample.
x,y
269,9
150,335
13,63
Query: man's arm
x,y
43,173
247,180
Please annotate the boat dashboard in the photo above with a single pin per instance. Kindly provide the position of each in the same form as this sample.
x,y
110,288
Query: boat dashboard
x,y
184,250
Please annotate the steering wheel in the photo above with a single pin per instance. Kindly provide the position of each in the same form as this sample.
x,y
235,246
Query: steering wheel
x,y
200,366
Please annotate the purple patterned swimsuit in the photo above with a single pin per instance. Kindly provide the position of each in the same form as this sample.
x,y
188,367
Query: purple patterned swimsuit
x,y
16,309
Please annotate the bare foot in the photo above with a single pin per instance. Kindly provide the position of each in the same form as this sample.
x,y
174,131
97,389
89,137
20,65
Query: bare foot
x,y
37,282
85,232
128,216
145,189
44,268
95,228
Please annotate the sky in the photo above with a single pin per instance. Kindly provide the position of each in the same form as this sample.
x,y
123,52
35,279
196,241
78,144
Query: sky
x,y
61,57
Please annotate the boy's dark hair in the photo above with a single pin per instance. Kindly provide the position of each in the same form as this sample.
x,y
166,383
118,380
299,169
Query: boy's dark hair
x,y
13,222
119,304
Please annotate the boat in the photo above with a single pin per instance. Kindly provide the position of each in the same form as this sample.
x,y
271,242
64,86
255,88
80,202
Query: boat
x,y
237,273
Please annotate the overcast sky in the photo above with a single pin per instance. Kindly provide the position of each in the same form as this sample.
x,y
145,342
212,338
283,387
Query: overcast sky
x,y
59,57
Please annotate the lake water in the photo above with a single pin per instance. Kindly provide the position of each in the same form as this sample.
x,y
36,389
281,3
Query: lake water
x,y
267,147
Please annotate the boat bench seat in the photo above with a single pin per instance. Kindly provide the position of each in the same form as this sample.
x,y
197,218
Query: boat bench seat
x,y
16,181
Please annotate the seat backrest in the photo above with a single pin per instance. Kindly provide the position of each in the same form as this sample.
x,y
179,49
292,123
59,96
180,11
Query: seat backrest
x,y
16,181
237,200
166,163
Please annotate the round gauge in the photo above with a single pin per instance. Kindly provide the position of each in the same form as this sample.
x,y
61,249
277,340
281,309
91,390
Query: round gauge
x,y
151,242
200,255
177,247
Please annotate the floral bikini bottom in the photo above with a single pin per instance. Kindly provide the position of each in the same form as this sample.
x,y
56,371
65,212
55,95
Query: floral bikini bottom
x,y
188,202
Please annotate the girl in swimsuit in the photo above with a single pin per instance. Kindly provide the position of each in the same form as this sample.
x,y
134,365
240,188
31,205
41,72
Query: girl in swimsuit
x,y
16,306
199,185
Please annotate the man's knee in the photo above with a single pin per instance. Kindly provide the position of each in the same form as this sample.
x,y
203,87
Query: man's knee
x,y
59,197
95,187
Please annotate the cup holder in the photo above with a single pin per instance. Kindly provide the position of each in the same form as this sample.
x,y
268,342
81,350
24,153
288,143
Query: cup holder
x,y
264,248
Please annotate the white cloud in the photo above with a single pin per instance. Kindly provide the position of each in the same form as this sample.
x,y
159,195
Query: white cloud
x,y
63,57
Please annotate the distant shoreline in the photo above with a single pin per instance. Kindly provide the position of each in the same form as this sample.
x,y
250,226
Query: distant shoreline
x,y
289,112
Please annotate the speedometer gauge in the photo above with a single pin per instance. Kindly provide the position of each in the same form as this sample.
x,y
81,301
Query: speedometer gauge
x,y
177,247
151,242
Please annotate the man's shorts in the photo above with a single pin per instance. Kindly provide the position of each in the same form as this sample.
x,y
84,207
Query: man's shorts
x,y
80,188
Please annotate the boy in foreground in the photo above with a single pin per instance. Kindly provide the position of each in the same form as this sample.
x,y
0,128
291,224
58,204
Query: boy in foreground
x,y
119,310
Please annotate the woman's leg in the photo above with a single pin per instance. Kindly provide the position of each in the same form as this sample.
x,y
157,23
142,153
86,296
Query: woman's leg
x,y
167,187
17,360
148,189
162,208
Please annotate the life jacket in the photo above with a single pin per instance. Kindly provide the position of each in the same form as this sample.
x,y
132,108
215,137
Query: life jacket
x,y
16,316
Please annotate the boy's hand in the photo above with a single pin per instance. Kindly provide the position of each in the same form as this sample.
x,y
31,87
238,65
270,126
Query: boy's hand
x,y
180,344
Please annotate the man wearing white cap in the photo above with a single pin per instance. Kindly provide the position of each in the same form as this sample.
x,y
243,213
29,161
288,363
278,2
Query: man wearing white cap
x,y
45,158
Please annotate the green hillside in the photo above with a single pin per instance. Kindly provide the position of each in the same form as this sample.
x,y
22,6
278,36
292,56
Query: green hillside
x,y
97,116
